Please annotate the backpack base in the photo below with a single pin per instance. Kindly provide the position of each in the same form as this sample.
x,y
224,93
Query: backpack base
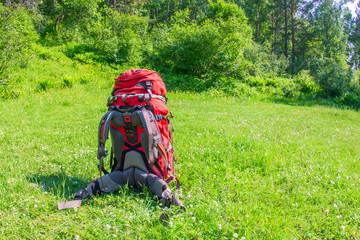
x,y
133,177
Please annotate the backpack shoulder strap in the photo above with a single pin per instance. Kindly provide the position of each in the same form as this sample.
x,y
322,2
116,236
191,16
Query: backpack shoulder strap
x,y
147,120
103,134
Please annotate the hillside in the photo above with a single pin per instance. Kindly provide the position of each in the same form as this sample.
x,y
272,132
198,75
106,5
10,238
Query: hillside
x,y
249,168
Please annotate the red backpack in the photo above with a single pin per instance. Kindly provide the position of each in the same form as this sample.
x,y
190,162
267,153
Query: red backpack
x,y
141,151
139,125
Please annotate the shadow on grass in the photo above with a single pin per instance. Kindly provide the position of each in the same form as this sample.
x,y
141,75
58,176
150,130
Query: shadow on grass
x,y
310,103
63,186
59,184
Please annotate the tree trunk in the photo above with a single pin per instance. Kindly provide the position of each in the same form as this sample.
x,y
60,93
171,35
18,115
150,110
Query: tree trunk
x,y
274,33
167,12
293,10
8,3
285,29
256,26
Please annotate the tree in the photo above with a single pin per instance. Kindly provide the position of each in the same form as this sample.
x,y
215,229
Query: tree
x,y
354,39
214,45
17,32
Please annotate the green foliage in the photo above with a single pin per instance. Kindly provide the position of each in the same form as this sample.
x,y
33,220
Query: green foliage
x,y
261,63
302,86
334,77
225,11
17,33
8,91
199,45
307,84
114,38
56,72
349,99
211,47
75,13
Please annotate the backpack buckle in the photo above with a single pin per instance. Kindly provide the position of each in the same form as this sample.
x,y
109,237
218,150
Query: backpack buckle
x,y
127,119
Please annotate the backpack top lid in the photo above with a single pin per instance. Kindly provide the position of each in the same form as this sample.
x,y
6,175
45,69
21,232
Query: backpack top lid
x,y
128,82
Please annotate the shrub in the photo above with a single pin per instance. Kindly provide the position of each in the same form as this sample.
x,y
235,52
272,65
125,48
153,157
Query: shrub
x,y
214,47
17,32
67,82
333,76
290,89
349,99
115,38
307,84
44,85
7,91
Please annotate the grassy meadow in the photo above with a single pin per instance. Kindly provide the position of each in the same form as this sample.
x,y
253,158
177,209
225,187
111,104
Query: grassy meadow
x,y
249,168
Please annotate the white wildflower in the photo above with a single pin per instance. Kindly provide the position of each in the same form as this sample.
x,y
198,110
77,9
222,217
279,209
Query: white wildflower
x,y
77,237
193,218
343,228
335,205
235,235
171,224
108,226
219,226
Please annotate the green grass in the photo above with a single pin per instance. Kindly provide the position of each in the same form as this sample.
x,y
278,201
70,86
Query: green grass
x,y
248,168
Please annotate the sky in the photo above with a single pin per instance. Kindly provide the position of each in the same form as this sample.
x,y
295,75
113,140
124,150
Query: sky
x,y
352,6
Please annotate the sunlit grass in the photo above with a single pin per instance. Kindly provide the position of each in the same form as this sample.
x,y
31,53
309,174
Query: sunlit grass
x,y
248,168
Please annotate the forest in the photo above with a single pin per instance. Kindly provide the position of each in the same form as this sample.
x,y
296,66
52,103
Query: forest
x,y
299,49
265,101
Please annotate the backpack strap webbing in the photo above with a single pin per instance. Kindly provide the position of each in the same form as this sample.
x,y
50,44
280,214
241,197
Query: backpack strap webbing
x,y
153,135
103,134
151,129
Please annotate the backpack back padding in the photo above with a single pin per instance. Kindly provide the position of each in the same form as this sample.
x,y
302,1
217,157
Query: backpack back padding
x,y
131,158
134,159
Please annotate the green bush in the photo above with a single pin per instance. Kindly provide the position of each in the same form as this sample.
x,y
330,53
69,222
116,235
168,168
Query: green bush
x,y
115,38
212,47
67,82
260,62
17,32
44,85
46,53
307,84
86,57
290,89
349,99
7,91
182,82
332,75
